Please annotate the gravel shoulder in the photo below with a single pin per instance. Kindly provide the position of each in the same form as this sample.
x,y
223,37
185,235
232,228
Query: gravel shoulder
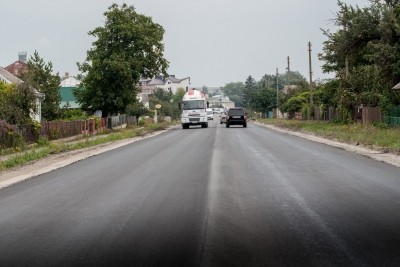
x,y
53,162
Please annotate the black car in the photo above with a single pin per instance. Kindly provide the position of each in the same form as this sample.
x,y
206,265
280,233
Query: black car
x,y
236,116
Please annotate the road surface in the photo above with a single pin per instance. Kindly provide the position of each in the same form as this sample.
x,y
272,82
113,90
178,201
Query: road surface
x,y
207,197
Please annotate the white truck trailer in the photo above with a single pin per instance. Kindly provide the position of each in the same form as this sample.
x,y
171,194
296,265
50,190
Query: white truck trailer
x,y
194,105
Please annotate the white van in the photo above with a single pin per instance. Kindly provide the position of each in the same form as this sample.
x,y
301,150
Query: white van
x,y
210,114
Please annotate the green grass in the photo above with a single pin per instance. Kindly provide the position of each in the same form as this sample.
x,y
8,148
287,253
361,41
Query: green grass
x,y
376,136
37,152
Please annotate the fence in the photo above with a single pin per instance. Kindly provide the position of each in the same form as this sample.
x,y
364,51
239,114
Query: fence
x,y
53,130
63,129
393,117
120,121
371,114
325,114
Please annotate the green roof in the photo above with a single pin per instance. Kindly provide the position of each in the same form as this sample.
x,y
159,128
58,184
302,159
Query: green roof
x,y
68,97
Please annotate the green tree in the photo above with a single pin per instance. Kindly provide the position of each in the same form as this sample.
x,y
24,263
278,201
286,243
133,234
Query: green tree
x,y
127,47
178,96
40,76
19,103
249,89
365,55
294,104
204,89
235,91
263,100
4,91
167,100
137,109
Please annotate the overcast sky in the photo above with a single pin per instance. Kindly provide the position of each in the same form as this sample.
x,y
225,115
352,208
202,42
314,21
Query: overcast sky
x,y
213,42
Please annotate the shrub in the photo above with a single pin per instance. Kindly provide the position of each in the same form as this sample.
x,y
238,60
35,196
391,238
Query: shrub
x,y
9,136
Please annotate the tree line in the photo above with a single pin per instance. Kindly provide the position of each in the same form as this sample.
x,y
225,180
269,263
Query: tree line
x,y
363,52
127,47
364,55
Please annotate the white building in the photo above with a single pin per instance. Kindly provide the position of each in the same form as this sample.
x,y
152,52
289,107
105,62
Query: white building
x,y
169,84
220,101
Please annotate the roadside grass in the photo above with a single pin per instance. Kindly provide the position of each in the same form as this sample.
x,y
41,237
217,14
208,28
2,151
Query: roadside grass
x,y
44,149
376,136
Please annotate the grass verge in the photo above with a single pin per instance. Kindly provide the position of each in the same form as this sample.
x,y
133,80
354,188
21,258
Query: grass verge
x,y
376,136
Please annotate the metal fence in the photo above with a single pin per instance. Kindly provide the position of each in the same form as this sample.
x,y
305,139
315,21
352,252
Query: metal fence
x,y
120,121
393,117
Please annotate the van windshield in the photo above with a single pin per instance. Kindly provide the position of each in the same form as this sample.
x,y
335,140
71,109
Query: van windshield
x,y
193,104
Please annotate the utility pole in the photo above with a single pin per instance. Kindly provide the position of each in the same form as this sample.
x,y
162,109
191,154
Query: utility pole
x,y
288,70
309,62
277,94
346,60
311,85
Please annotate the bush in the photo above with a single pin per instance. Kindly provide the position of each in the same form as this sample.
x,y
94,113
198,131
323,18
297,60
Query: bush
x,y
42,141
10,137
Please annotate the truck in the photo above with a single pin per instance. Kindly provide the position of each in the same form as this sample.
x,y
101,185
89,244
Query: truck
x,y
194,106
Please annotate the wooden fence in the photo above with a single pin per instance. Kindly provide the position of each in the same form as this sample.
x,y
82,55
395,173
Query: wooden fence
x,y
63,129
371,114
53,130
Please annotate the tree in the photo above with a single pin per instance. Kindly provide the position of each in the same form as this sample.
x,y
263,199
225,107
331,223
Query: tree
x,y
364,53
40,76
204,89
137,109
127,47
250,87
167,100
263,99
235,92
19,103
4,91
178,96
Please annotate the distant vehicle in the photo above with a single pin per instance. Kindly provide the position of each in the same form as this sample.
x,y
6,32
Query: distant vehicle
x,y
218,110
236,116
194,107
222,118
210,114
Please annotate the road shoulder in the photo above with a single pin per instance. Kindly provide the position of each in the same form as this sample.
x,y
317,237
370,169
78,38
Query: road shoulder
x,y
53,162
389,158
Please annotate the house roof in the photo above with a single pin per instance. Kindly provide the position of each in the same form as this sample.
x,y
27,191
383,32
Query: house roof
x,y
155,81
160,81
67,97
8,77
17,68
70,82
396,87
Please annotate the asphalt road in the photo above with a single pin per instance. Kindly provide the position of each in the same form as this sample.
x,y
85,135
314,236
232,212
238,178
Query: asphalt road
x,y
207,197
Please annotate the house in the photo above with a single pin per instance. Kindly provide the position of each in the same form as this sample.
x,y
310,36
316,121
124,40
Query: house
x,y
289,88
19,67
211,90
220,101
169,84
67,86
8,78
